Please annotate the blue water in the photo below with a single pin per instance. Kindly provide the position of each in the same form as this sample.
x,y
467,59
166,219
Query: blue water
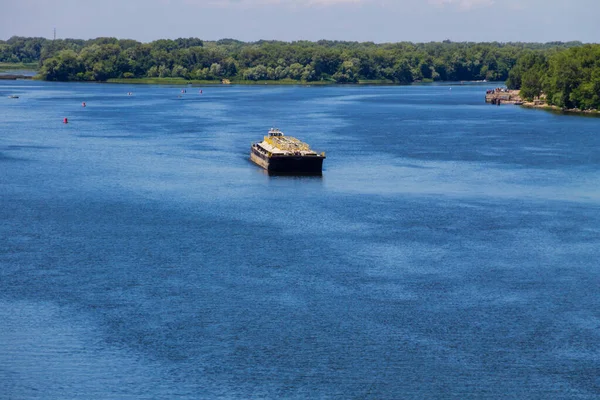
x,y
450,250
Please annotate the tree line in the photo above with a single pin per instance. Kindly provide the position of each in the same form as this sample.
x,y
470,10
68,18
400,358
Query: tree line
x,y
101,59
568,79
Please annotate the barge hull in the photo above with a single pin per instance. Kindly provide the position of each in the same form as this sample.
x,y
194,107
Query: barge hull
x,y
289,165
307,165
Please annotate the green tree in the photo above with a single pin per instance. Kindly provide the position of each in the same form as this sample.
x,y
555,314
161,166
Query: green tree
x,y
402,72
163,71
215,70
152,72
531,84
178,71
64,67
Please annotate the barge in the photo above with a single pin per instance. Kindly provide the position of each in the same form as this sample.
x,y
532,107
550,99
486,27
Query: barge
x,y
281,154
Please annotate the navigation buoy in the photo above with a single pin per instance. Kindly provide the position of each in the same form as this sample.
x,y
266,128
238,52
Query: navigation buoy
x,y
83,104
65,121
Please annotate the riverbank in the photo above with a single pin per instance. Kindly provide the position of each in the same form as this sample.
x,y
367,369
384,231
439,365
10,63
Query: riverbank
x,y
7,76
183,81
12,67
543,106
505,96
14,71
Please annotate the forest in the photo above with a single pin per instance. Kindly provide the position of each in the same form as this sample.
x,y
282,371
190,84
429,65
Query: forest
x,y
566,74
567,79
327,61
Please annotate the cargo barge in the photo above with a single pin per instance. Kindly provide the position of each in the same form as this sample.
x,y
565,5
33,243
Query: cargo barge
x,y
281,154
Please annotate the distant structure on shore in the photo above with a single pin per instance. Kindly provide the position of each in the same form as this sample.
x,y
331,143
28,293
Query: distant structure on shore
x,y
501,95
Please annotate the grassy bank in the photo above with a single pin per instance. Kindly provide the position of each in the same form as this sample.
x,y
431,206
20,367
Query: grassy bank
x,y
160,81
182,81
376,82
18,66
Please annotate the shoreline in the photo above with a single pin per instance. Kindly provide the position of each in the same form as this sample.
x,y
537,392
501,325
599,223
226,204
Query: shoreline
x,y
548,107
14,77
506,96
283,82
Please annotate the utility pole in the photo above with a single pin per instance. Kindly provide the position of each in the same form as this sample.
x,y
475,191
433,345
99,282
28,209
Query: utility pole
x,y
54,34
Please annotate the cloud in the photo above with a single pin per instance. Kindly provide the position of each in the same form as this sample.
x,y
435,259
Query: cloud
x,y
462,4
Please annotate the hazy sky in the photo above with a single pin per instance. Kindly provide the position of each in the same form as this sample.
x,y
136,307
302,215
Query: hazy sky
x,y
359,20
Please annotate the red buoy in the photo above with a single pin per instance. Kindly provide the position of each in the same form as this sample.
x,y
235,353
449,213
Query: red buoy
x,y
65,121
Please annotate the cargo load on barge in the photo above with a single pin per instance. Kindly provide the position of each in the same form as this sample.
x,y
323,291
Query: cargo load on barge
x,y
282,154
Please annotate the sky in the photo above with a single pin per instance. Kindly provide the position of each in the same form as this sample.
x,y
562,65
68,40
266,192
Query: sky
x,y
377,21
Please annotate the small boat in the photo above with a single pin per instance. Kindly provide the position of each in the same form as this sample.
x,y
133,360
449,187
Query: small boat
x,y
12,96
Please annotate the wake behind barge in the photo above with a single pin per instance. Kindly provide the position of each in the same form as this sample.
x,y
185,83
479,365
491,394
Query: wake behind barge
x,y
282,154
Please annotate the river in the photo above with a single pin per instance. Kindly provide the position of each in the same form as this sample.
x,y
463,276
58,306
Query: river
x,y
450,249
